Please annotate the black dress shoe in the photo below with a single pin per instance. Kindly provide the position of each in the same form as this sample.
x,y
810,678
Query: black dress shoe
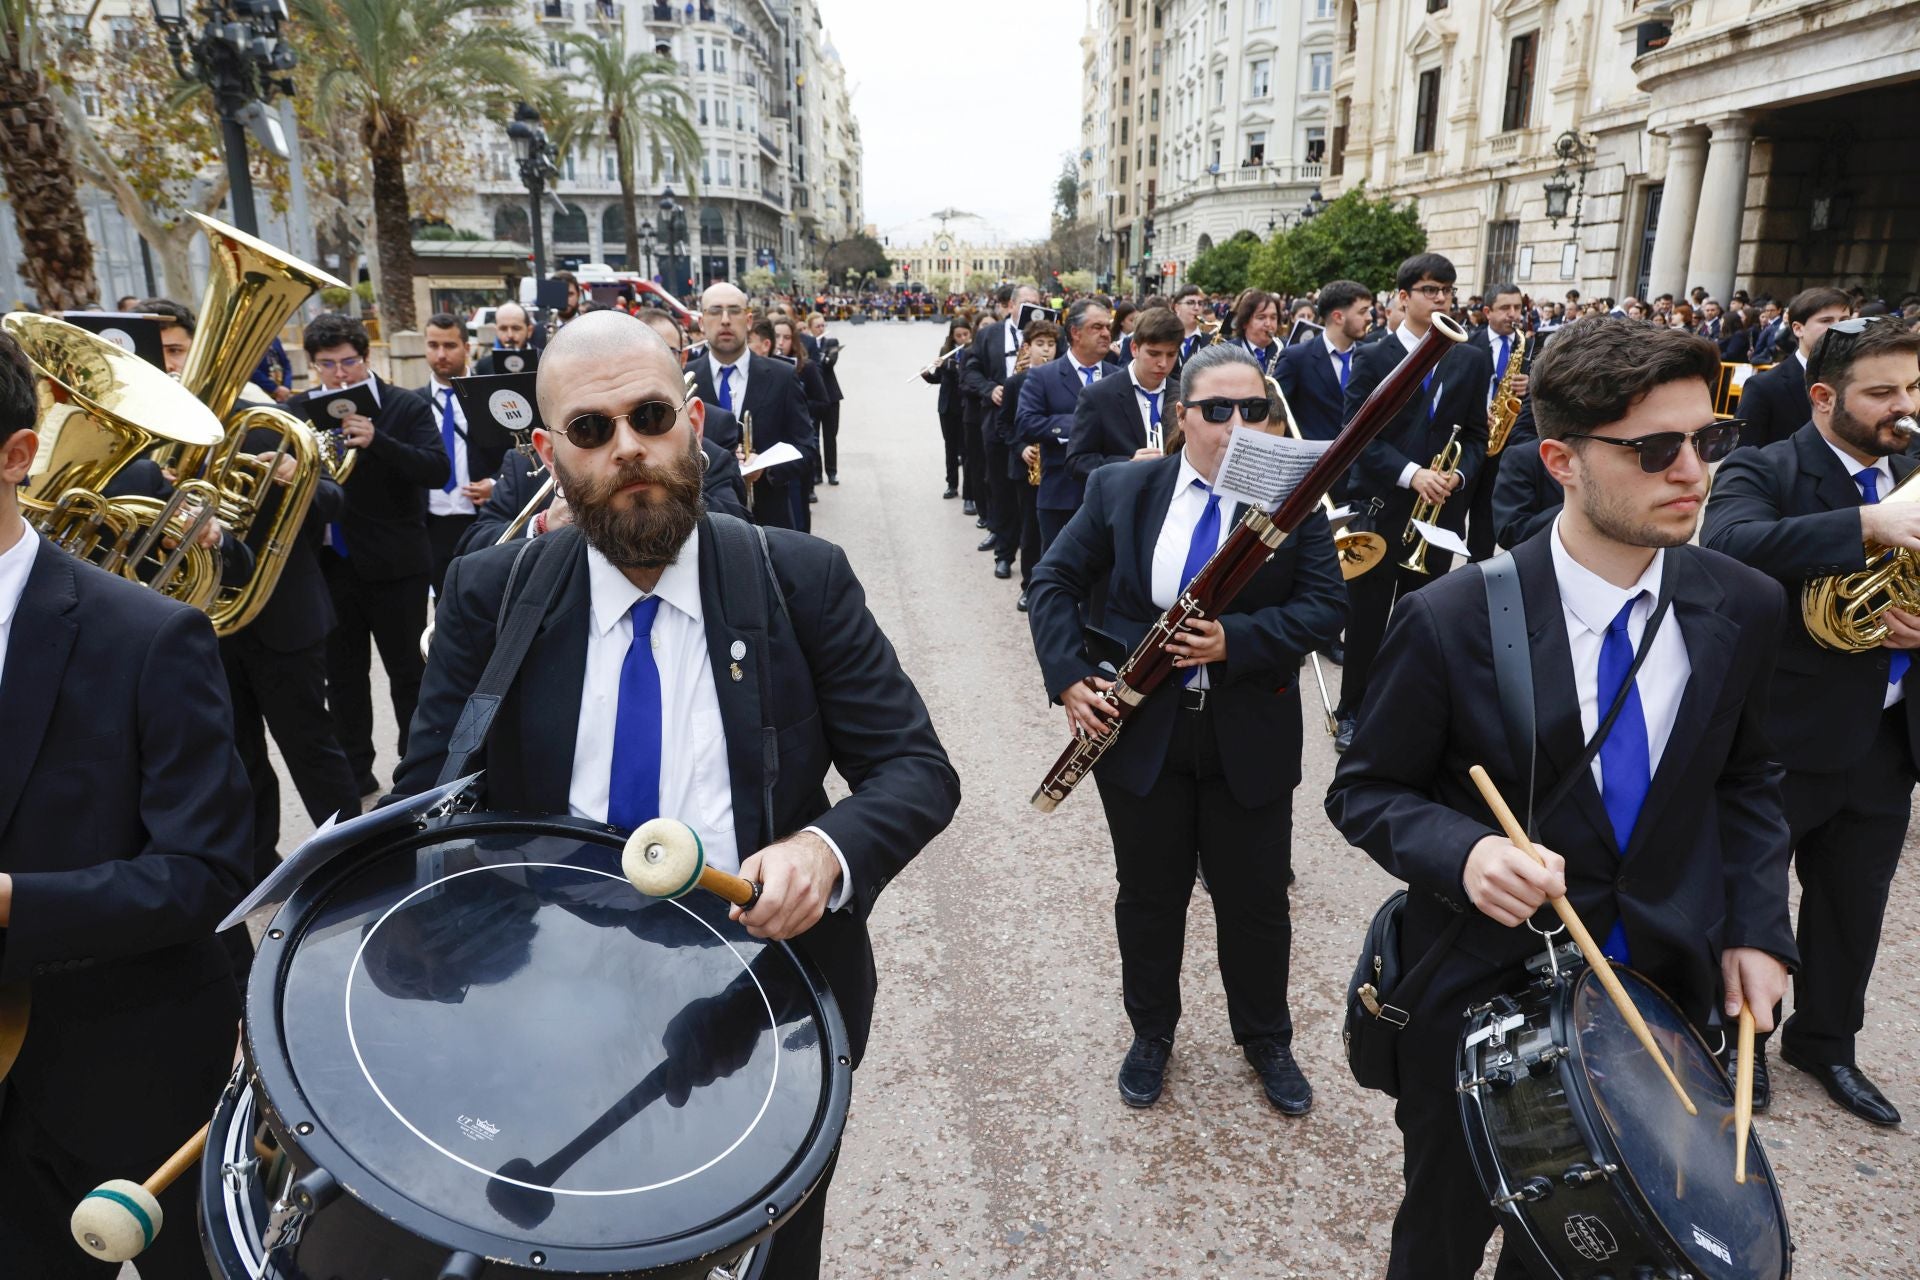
x,y
1021,603
981,523
1336,654
369,786
1762,1082
1002,569
832,478
1343,734
1143,1072
1848,1086
968,507
987,543
812,496
951,492
1286,1088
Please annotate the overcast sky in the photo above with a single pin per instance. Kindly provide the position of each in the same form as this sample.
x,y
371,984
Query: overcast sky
x,y
925,77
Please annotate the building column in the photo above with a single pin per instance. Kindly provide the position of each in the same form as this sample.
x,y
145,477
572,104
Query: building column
x,y
1723,203
1679,205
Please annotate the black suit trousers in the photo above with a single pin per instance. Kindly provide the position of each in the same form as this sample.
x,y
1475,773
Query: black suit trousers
x,y
1370,597
444,534
390,615
829,428
1480,527
973,470
795,1251
953,444
1029,531
1003,513
1847,832
1189,820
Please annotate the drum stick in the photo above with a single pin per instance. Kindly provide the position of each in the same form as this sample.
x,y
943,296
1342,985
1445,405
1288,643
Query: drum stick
x,y
1743,1095
118,1220
178,1163
1596,959
664,859
740,893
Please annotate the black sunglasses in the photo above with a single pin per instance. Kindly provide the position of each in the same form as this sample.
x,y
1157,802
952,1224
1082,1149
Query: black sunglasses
x,y
1659,450
648,418
1220,408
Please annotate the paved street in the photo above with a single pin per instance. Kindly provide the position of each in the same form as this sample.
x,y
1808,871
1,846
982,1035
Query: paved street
x,y
987,1139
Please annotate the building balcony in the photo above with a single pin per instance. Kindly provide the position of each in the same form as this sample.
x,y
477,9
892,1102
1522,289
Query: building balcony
x,y
553,10
1423,164
605,12
769,146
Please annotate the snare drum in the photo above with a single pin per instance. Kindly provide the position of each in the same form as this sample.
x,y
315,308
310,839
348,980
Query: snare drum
x,y
472,1048
1587,1154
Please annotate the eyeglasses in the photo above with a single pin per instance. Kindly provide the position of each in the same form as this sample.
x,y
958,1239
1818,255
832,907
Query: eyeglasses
x,y
730,313
339,366
1433,290
648,418
1219,409
1661,449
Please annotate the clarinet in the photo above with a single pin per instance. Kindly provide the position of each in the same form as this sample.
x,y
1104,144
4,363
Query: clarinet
x,y
1247,549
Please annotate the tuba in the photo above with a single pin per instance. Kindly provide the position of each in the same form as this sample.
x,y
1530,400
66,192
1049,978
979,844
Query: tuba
x,y
1845,611
1447,463
1505,409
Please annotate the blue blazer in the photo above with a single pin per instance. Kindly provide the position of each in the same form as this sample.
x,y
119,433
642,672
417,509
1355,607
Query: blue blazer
x,y
1305,375
1045,418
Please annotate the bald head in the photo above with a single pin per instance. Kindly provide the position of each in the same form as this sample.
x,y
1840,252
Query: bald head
x,y
722,295
604,340
724,320
663,324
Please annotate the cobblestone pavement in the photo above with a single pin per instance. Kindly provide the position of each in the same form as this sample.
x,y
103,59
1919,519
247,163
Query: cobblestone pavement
x,y
986,1138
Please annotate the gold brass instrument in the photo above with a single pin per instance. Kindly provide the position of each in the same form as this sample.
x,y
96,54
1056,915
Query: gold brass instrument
x,y
1359,551
514,529
1505,409
101,408
1447,463
1847,611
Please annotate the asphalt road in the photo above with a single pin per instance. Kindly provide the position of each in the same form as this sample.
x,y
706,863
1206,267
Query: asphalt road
x,y
986,1138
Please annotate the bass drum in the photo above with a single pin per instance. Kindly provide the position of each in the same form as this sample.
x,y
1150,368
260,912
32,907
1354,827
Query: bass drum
x,y
1587,1154
473,1049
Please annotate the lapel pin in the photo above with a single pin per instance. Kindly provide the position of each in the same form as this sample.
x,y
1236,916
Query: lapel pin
x,y
733,669
739,650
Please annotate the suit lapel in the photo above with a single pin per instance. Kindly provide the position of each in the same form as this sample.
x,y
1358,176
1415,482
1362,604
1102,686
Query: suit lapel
x,y
703,381
41,637
1556,698
741,717
1832,485
1319,358
1710,635
759,374
551,684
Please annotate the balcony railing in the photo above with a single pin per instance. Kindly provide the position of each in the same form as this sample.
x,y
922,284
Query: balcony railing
x,y
553,10
769,146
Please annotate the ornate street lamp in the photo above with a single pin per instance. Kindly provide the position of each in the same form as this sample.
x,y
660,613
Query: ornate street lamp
x,y
1573,152
534,153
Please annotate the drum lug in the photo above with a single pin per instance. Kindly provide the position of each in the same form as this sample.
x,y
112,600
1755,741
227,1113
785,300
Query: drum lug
x,y
236,1174
1579,1175
462,1266
1532,1190
1541,1063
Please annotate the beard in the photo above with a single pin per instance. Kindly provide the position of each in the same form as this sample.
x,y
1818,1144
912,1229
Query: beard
x,y
1616,518
648,532
1862,435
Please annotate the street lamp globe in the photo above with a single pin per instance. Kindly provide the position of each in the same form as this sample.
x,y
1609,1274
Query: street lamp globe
x,y
1559,193
170,14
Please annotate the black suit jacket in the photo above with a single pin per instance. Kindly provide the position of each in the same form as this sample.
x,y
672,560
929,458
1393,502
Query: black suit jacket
x,y
385,517
126,823
1306,379
838,700
1107,426
1296,604
983,366
1774,403
1793,512
1049,401
299,613
778,404
1706,867
1526,500
482,460
722,428
947,378
1457,394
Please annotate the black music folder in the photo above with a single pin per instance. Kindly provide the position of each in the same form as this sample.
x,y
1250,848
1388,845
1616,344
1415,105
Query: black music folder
x,y
134,331
501,411
1303,330
328,409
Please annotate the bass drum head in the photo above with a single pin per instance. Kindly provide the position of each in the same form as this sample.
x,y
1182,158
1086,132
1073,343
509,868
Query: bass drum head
x,y
497,1044
1681,1165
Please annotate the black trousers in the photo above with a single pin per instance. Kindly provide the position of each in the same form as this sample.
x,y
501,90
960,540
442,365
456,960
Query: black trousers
x,y
1370,598
1847,832
830,437
286,693
1003,517
973,460
1029,531
953,444
795,1253
444,533
1190,821
1051,523
389,615
1480,539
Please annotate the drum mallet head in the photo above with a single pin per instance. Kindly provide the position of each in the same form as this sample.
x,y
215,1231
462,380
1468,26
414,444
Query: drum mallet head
x,y
116,1220
663,858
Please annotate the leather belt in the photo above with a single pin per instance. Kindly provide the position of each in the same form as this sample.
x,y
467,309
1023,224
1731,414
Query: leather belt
x,y
1193,699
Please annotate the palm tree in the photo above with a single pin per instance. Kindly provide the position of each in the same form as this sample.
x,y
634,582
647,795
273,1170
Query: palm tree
x,y
56,256
640,98
384,66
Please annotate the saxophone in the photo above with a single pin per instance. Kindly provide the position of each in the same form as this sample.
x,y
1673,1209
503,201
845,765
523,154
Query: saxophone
x,y
1505,409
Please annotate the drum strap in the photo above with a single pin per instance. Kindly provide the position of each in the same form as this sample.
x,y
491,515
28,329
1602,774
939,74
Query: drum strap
x,y
743,554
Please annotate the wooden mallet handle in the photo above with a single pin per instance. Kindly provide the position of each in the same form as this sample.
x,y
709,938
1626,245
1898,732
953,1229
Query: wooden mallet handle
x,y
741,893
1596,959
1743,1094
178,1163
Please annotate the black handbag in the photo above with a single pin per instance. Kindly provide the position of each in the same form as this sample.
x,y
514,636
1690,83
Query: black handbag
x,y
1383,991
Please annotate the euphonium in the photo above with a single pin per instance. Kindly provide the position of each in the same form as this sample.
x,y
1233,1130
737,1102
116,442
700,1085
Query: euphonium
x,y
1447,463
1505,409
1846,611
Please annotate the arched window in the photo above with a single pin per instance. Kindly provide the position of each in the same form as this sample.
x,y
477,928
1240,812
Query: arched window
x,y
1204,243
713,226
570,227
613,224
510,222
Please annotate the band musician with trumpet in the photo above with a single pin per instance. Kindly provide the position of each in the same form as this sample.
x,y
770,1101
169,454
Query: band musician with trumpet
x,y
1650,789
1204,777
1814,511
1041,345
1404,467
124,831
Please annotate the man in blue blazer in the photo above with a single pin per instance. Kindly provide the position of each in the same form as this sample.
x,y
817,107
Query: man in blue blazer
x,y
1313,375
739,382
1047,405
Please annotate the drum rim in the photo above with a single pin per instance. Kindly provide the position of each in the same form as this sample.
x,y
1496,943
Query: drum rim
x,y
278,1095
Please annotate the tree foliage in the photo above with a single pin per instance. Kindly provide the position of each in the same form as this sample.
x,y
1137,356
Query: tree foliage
x,y
639,101
1223,268
858,256
1353,238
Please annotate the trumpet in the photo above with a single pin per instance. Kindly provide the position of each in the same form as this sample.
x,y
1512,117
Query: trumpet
x,y
1447,463
1359,551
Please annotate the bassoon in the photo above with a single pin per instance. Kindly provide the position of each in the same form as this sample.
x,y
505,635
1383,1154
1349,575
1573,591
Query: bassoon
x,y
1251,544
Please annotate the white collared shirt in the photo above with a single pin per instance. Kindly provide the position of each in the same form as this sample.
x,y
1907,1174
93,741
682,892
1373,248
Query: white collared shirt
x,y
1882,486
737,385
439,501
15,565
1333,360
1013,347
696,784
1412,469
1588,603
1184,510
1145,406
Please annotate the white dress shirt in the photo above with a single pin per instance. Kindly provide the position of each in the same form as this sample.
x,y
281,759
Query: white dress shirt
x,y
1882,486
1408,472
1184,510
1013,347
439,501
1154,434
15,565
696,785
737,385
1333,360
1589,603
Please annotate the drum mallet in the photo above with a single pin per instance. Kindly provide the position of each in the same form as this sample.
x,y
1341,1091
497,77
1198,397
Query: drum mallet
x,y
1743,1094
665,859
1596,959
118,1219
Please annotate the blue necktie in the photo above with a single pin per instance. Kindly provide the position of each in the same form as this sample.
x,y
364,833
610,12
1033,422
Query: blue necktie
x,y
1153,404
1500,364
1626,769
633,792
449,433
1346,367
726,387
1086,375
1869,482
1433,402
1200,549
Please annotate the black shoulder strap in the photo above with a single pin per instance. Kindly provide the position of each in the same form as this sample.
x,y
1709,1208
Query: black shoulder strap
x,y
744,557
520,620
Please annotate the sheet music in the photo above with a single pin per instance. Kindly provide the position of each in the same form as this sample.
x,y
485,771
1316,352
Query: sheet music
x,y
1261,469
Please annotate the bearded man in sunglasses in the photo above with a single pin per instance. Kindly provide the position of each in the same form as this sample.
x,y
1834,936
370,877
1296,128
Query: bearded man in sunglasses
x,y
1669,837
1845,723
652,685
1203,778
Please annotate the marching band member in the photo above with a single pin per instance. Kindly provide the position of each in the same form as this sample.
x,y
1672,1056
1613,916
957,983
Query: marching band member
x,y
1125,419
950,407
1843,723
1041,346
1204,776
125,827
512,331
1189,303
623,709
1313,375
1048,403
1672,845
1497,340
1256,326
451,508
769,389
1774,403
985,369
